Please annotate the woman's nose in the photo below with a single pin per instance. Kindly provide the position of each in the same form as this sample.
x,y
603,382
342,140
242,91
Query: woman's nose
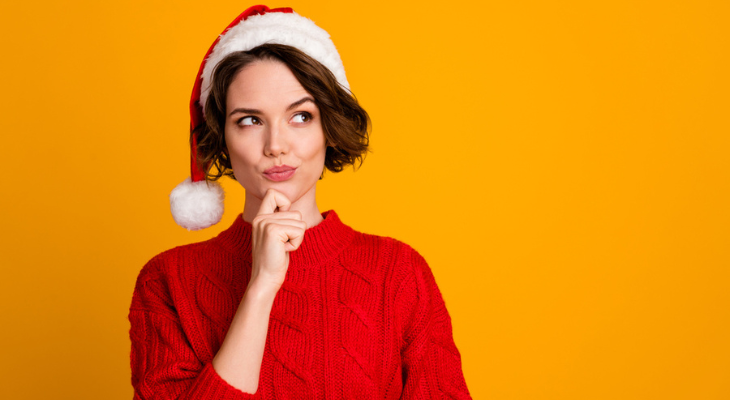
x,y
275,141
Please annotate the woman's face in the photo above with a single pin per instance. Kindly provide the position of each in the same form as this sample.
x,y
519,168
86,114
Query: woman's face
x,y
271,121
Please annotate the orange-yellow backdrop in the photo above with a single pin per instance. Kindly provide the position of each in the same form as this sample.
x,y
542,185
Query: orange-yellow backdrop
x,y
563,166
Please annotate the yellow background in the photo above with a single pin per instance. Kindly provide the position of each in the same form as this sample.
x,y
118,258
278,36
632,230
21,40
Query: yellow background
x,y
562,165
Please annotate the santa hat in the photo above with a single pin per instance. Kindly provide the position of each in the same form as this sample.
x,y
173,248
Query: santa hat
x,y
196,203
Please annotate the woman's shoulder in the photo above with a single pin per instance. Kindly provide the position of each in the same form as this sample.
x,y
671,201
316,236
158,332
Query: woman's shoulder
x,y
388,244
385,253
396,265
175,254
168,264
164,274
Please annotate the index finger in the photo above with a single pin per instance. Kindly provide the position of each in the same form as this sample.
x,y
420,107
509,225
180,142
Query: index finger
x,y
273,199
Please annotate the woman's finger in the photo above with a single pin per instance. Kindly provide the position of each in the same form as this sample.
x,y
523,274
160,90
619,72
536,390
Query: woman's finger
x,y
264,224
295,242
276,216
272,200
291,235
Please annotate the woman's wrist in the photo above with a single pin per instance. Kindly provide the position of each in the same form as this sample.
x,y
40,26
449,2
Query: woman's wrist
x,y
261,290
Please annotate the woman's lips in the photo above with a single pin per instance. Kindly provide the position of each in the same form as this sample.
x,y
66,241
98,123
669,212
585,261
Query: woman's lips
x,y
279,173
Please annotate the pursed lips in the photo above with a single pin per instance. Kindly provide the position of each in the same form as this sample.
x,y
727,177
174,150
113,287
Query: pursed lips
x,y
278,168
280,173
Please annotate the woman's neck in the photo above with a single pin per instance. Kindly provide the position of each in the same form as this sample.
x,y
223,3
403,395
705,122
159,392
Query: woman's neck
x,y
306,204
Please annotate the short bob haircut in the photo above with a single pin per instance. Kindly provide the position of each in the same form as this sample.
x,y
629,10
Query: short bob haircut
x,y
345,124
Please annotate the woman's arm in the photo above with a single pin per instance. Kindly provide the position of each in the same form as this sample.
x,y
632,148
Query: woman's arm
x,y
431,361
274,235
239,358
164,365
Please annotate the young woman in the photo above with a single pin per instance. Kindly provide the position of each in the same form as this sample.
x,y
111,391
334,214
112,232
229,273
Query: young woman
x,y
287,303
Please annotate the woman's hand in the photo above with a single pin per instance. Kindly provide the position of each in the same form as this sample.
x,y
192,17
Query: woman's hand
x,y
275,234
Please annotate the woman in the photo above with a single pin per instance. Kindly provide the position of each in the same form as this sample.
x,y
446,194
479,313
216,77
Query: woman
x,y
288,302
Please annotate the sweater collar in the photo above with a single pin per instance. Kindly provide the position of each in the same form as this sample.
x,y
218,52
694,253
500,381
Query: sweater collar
x,y
321,242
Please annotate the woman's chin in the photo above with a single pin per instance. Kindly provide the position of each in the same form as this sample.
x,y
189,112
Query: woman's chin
x,y
290,190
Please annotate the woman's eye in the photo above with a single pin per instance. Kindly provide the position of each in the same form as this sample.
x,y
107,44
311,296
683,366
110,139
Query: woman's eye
x,y
249,121
302,118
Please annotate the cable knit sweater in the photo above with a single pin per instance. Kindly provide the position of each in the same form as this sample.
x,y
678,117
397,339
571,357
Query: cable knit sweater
x,y
358,316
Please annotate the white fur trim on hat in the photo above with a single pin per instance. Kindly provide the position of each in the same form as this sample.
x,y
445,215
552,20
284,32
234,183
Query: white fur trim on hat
x,y
290,29
197,205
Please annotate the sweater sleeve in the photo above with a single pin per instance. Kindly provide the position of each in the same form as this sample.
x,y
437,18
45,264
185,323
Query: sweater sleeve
x,y
164,365
431,363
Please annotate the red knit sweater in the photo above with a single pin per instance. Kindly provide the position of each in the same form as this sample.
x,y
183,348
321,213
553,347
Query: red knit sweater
x,y
358,316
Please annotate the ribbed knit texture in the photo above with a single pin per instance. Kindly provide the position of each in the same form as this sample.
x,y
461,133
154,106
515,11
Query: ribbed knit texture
x,y
359,316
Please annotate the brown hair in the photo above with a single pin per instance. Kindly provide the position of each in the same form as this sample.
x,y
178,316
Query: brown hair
x,y
344,122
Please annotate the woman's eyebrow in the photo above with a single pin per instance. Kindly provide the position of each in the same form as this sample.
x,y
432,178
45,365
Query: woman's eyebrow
x,y
258,112
299,103
245,111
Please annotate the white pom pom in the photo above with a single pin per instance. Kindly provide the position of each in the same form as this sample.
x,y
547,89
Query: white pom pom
x,y
197,205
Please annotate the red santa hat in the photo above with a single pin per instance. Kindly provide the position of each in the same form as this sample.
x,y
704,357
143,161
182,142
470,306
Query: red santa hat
x,y
196,203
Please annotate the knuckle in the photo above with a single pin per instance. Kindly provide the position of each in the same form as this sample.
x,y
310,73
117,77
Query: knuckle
x,y
258,221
